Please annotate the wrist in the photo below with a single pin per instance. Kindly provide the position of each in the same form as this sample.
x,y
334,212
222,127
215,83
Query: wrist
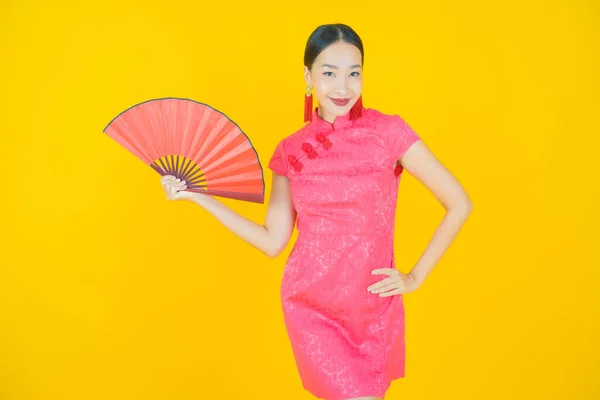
x,y
199,198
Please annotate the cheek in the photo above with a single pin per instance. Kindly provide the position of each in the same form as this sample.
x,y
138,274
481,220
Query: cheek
x,y
357,85
322,86
322,89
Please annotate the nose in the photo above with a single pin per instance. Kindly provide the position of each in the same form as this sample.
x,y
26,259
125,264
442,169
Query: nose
x,y
343,86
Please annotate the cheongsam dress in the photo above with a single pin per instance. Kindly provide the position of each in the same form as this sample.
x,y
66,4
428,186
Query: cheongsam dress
x,y
346,341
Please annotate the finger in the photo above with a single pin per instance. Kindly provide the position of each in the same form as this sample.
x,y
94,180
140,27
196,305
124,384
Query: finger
x,y
380,283
174,184
392,292
167,182
379,271
391,285
181,194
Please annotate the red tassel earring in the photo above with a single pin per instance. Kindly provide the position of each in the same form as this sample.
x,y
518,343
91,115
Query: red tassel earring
x,y
308,105
356,110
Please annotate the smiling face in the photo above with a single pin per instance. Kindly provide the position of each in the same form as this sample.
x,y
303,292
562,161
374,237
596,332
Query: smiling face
x,y
336,78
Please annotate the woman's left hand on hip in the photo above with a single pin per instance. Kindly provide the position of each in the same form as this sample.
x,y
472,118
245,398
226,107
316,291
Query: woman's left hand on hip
x,y
396,282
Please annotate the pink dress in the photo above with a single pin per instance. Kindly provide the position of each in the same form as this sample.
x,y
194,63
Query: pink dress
x,y
346,341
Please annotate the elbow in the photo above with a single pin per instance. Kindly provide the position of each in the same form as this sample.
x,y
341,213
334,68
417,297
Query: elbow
x,y
468,206
270,253
273,251
464,208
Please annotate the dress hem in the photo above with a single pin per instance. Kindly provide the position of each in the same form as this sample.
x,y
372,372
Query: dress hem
x,y
378,391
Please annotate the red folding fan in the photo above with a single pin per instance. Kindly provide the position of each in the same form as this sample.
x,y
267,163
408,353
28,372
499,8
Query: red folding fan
x,y
193,142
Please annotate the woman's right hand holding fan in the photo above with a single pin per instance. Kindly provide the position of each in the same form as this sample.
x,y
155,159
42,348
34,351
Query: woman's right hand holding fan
x,y
175,188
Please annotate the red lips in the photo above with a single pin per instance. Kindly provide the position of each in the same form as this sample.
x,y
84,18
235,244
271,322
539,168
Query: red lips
x,y
339,102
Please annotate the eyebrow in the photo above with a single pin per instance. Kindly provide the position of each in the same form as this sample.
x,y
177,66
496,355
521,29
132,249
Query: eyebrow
x,y
335,67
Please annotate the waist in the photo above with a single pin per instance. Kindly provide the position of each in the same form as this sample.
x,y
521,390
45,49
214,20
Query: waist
x,y
331,228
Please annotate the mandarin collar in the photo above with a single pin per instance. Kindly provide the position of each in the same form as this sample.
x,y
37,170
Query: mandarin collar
x,y
339,122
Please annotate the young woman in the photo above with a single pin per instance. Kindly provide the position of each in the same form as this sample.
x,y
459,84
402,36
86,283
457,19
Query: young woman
x,y
342,296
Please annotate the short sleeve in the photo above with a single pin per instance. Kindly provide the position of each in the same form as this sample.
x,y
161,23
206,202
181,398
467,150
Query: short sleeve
x,y
278,162
400,136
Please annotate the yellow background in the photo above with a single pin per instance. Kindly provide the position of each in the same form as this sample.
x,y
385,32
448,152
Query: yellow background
x,y
109,291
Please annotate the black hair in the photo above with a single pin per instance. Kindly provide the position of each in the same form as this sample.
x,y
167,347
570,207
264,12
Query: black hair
x,y
326,35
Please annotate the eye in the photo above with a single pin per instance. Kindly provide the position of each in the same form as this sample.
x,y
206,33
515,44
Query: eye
x,y
328,72
357,73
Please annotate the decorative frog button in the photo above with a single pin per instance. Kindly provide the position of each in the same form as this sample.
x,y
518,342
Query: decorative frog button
x,y
296,164
322,138
309,150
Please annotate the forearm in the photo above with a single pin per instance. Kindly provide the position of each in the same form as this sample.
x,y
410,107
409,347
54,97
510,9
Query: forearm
x,y
252,233
441,240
